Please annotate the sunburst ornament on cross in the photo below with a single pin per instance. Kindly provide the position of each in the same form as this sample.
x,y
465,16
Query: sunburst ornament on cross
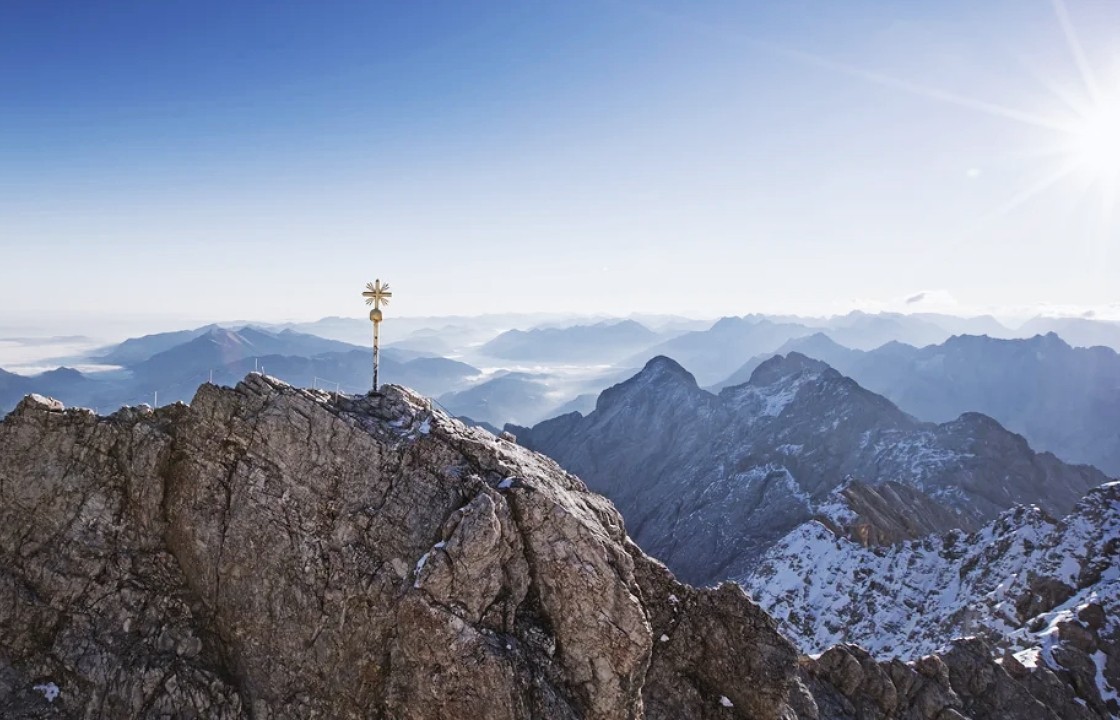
x,y
376,294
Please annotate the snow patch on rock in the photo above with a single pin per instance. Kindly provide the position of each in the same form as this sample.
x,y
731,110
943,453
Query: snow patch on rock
x,y
49,691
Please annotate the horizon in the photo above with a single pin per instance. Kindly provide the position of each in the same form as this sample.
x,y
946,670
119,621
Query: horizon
x,y
42,358
15,337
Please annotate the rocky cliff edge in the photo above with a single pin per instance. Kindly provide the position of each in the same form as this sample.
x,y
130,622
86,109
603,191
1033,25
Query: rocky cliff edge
x,y
270,552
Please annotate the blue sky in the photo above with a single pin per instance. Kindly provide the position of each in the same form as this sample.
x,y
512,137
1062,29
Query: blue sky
x,y
215,160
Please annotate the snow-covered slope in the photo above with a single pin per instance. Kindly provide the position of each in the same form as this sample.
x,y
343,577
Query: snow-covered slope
x,y
1042,590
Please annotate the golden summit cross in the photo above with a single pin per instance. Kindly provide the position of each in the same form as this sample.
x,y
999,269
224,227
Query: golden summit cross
x,y
376,294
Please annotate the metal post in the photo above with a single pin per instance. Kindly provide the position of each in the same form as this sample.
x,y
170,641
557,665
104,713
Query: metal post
x,y
376,294
376,351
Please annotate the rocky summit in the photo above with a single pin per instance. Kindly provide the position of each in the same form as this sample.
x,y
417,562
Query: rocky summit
x,y
274,553
270,552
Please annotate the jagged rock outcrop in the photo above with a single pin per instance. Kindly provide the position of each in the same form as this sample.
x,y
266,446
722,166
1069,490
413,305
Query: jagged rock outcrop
x,y
708,483
965,683
275,553
884,514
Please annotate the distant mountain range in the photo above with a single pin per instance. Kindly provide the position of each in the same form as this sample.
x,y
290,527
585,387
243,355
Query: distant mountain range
x,y
526,398
714,353
139,349
460,330
1079,332
175,364
709,482
1061,398
599,343
63,382
511,395
220,347
572,359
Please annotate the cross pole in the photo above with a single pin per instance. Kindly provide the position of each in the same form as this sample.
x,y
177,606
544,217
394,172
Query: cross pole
x,y
376,294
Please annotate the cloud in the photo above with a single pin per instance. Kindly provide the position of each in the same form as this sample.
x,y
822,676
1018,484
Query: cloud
x,y
928,300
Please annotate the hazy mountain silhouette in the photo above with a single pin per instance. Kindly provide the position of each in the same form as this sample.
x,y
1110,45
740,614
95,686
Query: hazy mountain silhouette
x,y
866,331
1078,332
225,355
714,353
512,395
139,349
1061,398
602,342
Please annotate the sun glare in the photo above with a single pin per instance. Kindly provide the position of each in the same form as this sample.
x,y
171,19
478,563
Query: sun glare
x,y
1083,127
1096,140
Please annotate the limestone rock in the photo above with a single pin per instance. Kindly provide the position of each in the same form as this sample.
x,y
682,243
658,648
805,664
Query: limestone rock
x,y
269,552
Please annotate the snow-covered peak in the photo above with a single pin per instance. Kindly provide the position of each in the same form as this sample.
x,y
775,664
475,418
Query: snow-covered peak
x,y
774,385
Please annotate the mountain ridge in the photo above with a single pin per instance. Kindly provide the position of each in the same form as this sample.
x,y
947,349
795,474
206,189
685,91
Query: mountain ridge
x,y
1036,589
683,465
1064,399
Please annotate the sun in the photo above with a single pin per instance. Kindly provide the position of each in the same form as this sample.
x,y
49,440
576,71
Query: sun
x,y
1095,139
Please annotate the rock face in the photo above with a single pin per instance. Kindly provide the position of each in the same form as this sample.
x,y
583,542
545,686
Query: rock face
x,y
879,515
708,483
270,552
